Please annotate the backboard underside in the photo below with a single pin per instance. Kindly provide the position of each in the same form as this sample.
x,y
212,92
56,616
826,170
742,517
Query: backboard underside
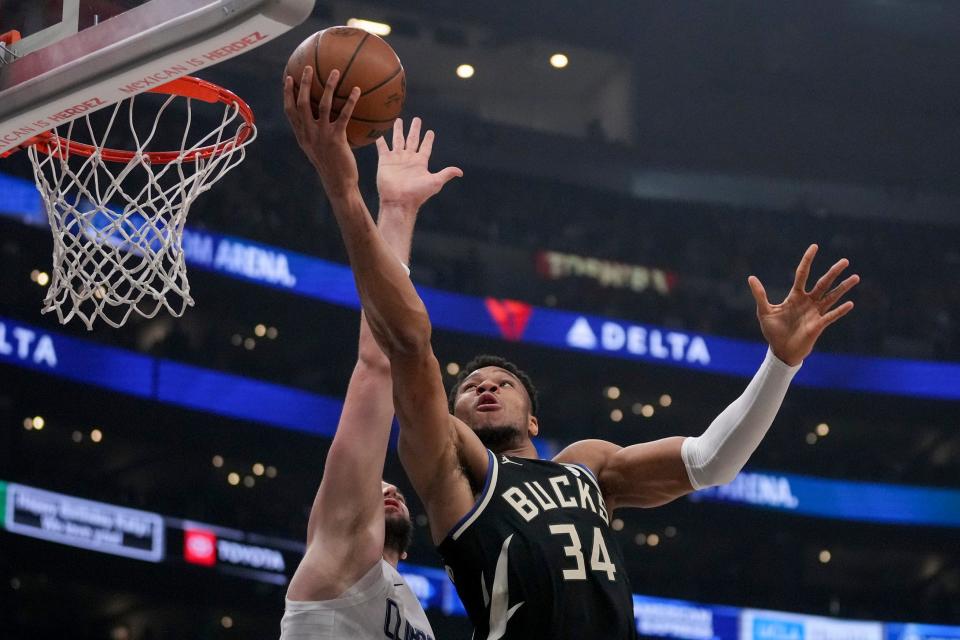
x,y
83,70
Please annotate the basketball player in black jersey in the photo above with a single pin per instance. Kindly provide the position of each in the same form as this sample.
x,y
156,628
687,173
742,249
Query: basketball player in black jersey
x,y
526,541
348,585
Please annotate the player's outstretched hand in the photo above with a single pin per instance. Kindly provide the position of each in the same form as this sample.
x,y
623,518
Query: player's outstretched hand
x,y
403,178
793,326
322,140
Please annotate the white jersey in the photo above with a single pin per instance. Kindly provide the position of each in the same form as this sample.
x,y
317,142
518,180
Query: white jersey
x,y
379,606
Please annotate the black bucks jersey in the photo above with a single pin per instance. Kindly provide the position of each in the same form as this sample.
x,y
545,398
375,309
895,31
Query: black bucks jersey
x,y
535,557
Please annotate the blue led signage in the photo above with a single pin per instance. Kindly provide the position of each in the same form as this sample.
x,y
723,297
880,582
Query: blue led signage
x,y
177,384
518,321
863,501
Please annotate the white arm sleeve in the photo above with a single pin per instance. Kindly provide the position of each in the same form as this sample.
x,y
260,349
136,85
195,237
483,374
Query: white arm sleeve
x,y
717,456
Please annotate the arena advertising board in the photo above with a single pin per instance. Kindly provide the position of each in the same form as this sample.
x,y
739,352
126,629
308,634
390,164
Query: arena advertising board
x,y
30,347
863,501
165,381
518,321
663,618
433,588
757,624
234,552
145,536
921,632
285,407
3,504
554,265
86,524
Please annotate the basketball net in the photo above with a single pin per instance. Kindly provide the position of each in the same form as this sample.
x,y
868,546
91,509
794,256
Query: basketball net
x,y
118,216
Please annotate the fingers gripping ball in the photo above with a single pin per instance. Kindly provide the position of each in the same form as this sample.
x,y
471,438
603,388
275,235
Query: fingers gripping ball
x,y
364,60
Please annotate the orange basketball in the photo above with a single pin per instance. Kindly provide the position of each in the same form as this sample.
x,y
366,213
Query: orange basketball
x,y
364,60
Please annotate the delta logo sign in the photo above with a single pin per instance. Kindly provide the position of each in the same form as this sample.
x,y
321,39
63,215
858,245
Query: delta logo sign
x,y
636,340
26,345
510,316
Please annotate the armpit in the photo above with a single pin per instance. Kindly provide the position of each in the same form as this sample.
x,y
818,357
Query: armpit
x,y
476,484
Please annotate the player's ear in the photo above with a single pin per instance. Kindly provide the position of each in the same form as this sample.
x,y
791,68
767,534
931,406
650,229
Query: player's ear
x,y
533,427
403,556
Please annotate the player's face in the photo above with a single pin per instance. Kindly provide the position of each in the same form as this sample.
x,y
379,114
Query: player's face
x,y
493,397
394,504
398,529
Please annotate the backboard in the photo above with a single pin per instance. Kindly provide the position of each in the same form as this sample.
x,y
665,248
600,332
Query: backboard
x,y
77,56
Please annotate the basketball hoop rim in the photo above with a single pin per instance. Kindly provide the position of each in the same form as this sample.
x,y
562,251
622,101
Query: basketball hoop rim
x,y
186,87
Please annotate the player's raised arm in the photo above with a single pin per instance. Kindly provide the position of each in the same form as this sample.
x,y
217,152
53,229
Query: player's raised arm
x,y
654,473
429,446
345,533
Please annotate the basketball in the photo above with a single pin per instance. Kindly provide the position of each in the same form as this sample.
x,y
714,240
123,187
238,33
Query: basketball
x,y
364,60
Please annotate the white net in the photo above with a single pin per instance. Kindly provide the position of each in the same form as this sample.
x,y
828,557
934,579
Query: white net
x,y
118,225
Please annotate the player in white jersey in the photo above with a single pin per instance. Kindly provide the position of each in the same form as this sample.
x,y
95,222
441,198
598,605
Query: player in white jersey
x,y
347,585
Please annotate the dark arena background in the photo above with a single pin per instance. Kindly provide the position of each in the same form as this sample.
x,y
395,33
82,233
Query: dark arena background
x,y
626,166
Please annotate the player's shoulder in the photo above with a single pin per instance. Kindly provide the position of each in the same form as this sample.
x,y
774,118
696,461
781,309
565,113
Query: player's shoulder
x,y
328,570
592,454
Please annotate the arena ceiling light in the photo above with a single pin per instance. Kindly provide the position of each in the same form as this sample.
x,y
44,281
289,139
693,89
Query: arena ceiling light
x,y
559,61
465,71
40,277
376,28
